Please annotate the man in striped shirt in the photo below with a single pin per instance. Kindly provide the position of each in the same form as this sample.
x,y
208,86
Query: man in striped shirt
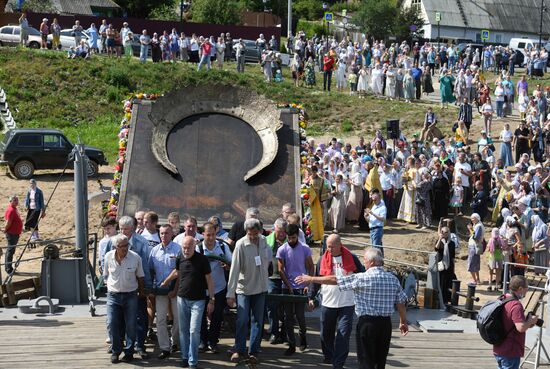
x,y
377,293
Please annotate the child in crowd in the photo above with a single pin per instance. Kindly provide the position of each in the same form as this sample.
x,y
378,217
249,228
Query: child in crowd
x,y
352,79
457,197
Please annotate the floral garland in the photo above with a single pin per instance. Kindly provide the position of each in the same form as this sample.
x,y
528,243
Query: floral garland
x,y
304,195
112,207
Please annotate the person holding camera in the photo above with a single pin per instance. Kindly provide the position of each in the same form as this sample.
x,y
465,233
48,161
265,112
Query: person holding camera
x,y
509,353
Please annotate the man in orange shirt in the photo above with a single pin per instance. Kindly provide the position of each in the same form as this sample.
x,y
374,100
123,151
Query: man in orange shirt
x,y
12,229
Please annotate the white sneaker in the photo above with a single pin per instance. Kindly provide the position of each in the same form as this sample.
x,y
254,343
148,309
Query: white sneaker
x,y
108,340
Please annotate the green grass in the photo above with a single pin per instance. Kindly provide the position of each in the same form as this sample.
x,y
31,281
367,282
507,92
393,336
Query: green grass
x,y
84,97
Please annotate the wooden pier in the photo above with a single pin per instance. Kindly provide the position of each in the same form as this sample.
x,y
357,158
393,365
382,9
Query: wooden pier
x,y
63,342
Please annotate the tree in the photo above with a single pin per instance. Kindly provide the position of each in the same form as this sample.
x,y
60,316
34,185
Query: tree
x,y
376,18
408,17
216,11
141,8
36,6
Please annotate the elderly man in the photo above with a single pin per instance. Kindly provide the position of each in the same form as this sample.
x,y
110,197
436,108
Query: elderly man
x,y
247,286
376,294
237,230
337,306
140,218
124,275
162,261
211,247
194,278
140,246
12,229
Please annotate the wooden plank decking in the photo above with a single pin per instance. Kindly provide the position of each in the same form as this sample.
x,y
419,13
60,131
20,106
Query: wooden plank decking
x,y
79,343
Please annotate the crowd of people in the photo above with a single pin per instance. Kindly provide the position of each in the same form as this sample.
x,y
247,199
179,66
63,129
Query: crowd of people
x,y
184,281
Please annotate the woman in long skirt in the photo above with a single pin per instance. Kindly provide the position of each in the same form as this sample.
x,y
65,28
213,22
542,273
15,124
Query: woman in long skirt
x,y
475,247
540,243
337,211
390,83
399,84
408,86
407,211
355,199
506,136
424,209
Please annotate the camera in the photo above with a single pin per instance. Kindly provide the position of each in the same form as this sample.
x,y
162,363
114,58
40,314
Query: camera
x,y
539,322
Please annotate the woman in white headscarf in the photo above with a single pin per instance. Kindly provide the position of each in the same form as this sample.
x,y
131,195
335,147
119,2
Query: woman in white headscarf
x,y
355,199
376,79
337,211
540,243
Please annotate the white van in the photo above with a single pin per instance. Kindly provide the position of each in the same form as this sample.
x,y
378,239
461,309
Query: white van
x,y
523,44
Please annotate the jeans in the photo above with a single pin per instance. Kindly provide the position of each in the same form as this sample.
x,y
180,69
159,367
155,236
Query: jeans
x,y
12,239
327,80
274,309
205,59
211,334
190,319
247,305
337,321
121,317
144,50
500,109
507,362
294,309
376,237
162,303
142,324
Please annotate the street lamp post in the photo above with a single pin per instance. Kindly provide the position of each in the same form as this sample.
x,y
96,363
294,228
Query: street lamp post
x,y
325,7
289,20
345,22
542,10
265,10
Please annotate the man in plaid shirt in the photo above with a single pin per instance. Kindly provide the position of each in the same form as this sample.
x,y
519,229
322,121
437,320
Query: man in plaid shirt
x,y
377,294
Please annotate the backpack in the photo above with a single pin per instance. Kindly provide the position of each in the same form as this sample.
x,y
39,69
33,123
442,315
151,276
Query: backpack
x,y
489,321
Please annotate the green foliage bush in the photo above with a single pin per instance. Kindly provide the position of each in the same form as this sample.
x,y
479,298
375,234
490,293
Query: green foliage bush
x,y
119,77
311,27
347,126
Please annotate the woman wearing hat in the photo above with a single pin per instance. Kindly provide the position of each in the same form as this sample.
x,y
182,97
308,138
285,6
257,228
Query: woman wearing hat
x,y
44,31
34,203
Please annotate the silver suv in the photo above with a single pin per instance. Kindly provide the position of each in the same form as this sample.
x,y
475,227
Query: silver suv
x,y
66,39
10,36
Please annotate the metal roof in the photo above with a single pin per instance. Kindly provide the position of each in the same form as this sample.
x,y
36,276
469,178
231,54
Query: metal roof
x,y
495,15
82,6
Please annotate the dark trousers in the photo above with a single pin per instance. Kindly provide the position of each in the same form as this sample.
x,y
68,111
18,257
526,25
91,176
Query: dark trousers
x,y
12,239
210,334
336,326
327,80
373,334
293,309
275,310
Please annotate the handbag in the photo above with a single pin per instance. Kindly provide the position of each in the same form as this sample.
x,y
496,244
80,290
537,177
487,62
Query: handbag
x,y
420,201
440,266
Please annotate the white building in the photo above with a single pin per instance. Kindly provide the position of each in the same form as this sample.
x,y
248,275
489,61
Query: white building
x,y
464,19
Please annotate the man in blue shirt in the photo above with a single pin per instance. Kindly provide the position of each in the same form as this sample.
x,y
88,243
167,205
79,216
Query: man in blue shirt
x,y
376,217
162,262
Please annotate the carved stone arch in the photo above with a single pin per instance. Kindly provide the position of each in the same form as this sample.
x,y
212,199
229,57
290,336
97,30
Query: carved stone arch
x,y
260,113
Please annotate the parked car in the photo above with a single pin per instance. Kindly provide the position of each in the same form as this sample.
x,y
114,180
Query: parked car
x,y
25,150
66,39
252,52
10,36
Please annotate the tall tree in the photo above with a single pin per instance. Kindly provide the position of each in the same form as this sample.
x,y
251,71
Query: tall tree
x,y
408,17
141,8
216,11
376,17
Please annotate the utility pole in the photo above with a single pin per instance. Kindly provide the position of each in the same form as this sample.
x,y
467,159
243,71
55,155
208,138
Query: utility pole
x,y
289,21
542,9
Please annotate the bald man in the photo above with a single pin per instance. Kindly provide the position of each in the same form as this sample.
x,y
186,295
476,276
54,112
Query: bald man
x,y
337,306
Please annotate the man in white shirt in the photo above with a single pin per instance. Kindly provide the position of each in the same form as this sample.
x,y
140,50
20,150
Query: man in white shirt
x,y
124,277
376,217
190,229
464,170
151,233
337,307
